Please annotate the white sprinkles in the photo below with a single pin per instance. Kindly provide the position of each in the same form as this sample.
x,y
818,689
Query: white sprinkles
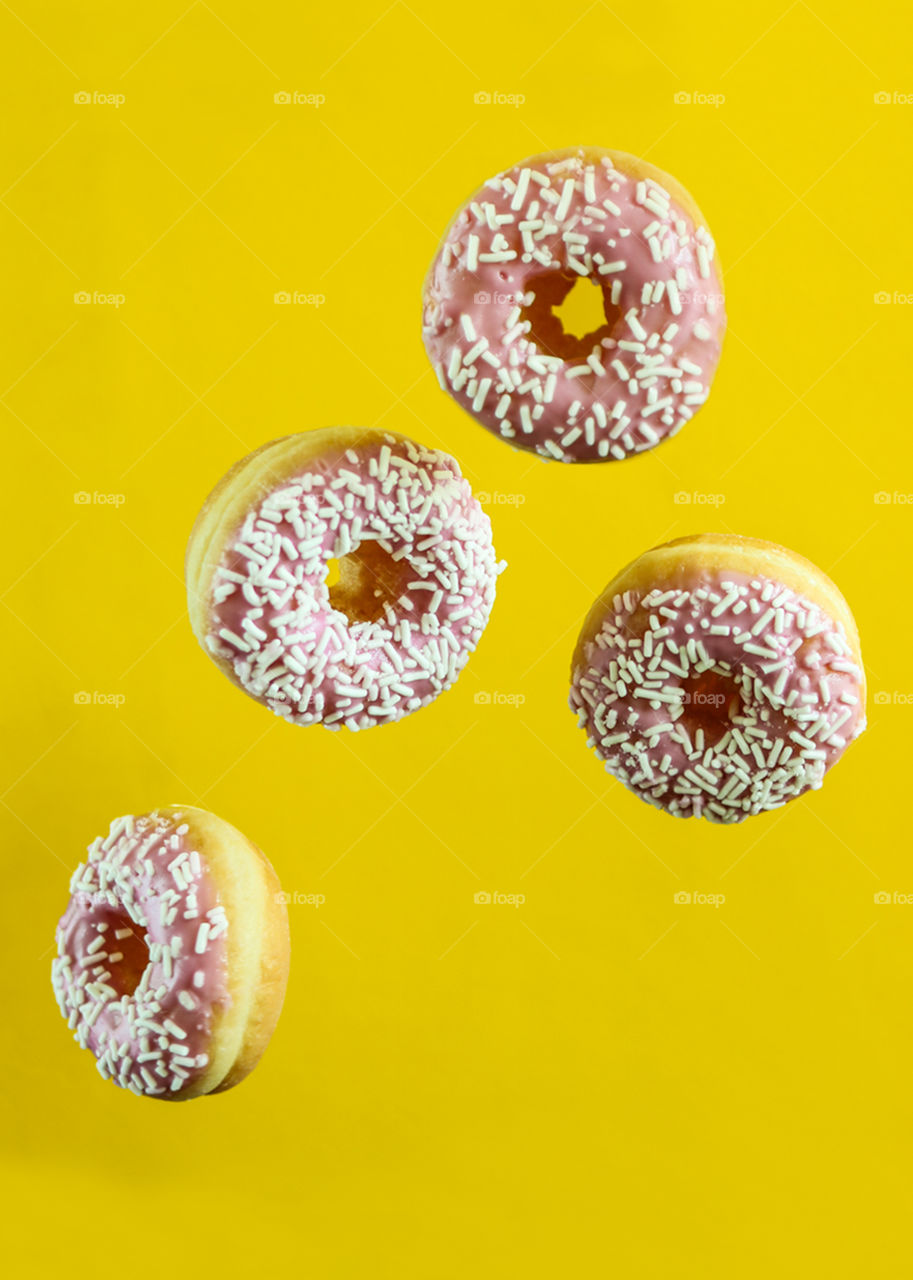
x,y
797,704
272,616
152,1041
635,387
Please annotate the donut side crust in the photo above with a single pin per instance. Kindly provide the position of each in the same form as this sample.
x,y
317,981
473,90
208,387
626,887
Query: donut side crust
x,y
257,942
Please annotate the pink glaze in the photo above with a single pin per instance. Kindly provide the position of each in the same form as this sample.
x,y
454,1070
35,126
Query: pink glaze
x,y
576,218
144,879
746,658
272,617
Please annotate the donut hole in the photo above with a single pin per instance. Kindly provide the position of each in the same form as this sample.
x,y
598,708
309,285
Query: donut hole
x,y
362,583
127,973
126,957
570,315
709,701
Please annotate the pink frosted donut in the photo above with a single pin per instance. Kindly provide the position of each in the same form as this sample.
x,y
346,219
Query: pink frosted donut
x,y
719,677
172,954
416,576
512,254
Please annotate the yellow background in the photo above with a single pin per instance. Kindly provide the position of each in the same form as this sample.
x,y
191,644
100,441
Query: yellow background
x,y
598,1079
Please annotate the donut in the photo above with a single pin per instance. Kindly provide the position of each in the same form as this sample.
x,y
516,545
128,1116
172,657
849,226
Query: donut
x,y
173,954
719,677
512,254
415,588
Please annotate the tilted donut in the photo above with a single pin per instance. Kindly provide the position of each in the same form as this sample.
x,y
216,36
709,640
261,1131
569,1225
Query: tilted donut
x,y
719,677
173,954
416,576
513,252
